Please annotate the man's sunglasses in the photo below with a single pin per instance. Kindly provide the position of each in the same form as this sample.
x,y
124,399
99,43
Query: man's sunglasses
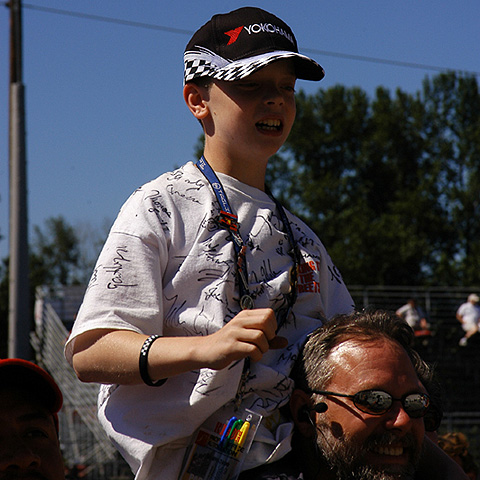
x,y
378,402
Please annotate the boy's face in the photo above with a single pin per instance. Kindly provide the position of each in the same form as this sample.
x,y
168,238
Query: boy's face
x,y
252,117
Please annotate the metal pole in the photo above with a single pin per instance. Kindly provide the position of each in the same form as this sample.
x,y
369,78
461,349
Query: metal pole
x,y
19,299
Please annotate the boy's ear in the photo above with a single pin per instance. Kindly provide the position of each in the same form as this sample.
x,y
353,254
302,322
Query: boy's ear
x,y
302,413
196,100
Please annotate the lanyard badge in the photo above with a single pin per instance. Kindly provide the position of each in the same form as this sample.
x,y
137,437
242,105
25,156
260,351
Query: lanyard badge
x,y
228,221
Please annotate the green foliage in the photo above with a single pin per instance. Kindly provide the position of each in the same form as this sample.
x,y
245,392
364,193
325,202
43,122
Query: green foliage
x,y
390,185
54,253
59,255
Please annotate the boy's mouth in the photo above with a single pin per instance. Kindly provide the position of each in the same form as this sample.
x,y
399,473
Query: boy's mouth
x,y
270,125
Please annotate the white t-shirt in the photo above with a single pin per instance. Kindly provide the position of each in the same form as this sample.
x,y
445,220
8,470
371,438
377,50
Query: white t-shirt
x,y
168,269
470,314
412,315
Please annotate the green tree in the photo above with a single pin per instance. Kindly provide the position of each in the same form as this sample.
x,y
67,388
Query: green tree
x,y
453,104
58,256
391,184
54,253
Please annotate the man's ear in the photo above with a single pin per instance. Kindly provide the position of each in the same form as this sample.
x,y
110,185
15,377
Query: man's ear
x,y
196,99
302,413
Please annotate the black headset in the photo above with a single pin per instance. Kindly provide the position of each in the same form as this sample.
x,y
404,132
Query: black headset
x,y
304,413
320,407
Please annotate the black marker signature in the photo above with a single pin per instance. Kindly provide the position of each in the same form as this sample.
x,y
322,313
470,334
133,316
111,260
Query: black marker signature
x,y
172,191
157,207
116,269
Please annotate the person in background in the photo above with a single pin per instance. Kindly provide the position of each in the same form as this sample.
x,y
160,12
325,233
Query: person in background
x,y
468,314
413,315
361,407
455,445
29,404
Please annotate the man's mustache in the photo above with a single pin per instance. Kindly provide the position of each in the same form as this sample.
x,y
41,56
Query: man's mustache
x,y
22,476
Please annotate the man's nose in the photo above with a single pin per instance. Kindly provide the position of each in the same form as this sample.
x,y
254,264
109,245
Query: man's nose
x,y
398,418
16,454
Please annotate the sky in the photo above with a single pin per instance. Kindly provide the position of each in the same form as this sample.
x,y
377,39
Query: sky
x,y
104,105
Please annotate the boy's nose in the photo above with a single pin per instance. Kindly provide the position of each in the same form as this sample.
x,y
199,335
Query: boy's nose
x,y
274,96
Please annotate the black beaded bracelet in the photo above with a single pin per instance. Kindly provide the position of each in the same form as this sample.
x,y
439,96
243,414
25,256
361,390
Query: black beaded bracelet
x,y
143,362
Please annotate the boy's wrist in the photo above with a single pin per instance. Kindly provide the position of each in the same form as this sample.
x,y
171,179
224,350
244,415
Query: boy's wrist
x,y
170,356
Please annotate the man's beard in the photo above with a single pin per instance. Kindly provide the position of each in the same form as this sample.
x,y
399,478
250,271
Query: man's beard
x,y
346,457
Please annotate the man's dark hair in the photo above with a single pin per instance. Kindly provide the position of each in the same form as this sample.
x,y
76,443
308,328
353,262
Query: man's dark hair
x,y
313,370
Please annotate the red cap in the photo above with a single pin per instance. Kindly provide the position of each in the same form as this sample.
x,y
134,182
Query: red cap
x,y
20,373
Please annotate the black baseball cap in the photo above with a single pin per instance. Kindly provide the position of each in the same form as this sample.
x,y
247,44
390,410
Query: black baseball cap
x,y
233,45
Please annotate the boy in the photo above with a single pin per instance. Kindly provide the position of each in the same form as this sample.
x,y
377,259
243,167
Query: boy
x,y
202,267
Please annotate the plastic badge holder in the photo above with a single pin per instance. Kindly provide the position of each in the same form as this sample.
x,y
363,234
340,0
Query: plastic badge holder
x,y
218,451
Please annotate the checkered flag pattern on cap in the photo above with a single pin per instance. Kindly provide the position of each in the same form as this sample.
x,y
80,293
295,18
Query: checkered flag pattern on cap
x,y
205,63
197,68
202,63
234,45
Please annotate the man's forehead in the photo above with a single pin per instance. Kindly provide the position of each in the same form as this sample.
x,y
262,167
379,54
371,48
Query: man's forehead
x,y
17,412
15,399
34,415
364,362
350,349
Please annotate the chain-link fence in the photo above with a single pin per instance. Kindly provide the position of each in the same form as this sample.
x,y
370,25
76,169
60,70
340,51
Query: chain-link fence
x,y
89,453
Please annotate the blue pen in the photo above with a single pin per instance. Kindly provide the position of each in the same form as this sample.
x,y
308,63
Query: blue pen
x,y
225,433
217,470
230,440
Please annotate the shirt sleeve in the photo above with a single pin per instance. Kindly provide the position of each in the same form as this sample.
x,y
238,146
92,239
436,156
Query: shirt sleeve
x,y
125,290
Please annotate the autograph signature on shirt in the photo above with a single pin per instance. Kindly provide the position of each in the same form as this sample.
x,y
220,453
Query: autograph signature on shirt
x,y
116,268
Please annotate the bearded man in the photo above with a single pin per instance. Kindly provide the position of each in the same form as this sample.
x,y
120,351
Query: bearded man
x,y
362,407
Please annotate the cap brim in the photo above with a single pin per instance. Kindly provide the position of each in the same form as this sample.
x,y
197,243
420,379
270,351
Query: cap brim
x,y
305,67
206,64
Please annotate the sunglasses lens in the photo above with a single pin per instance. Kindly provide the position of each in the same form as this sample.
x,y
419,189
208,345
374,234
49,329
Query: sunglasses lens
x,y
416,404
374,402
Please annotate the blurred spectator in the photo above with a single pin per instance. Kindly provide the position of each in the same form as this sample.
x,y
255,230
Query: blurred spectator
x,y
413,315
455,444
76,472
468,314
29,402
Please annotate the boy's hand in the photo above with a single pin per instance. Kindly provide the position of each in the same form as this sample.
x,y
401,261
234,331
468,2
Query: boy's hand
x,y
251,333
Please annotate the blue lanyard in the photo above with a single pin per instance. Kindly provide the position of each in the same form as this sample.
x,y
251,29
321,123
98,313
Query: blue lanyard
x,y
229,220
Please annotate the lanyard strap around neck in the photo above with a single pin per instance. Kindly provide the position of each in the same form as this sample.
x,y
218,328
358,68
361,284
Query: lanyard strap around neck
x,y
229,221
294,252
